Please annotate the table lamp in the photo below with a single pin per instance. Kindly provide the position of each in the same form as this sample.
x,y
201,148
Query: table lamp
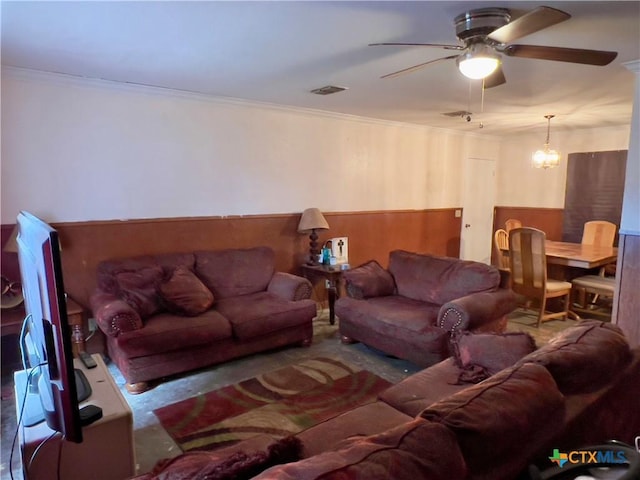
x,y
312,220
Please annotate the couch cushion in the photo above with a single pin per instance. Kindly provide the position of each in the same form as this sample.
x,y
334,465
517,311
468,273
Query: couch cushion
x,y
392,314
500,421
183,293
485,354
418,391
413,450
139,288
166,332
261,313
583,358
438,279
398,318
610,412
235,272
364,420
369,280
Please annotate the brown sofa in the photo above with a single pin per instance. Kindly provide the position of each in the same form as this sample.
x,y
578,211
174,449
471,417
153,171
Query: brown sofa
x,y
411,309
580,389
167,314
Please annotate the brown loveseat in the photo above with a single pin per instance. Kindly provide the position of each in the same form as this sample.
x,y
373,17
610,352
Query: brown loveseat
x,y
580,389
411,309
171,313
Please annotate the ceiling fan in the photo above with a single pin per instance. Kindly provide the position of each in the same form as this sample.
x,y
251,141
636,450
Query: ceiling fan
x,y
484,34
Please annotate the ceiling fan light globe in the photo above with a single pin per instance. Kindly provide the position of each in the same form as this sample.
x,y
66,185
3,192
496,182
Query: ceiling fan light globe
x,y
477,65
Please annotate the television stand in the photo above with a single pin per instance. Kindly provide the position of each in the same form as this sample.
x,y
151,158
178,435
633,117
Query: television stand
x,y
107,451
32,412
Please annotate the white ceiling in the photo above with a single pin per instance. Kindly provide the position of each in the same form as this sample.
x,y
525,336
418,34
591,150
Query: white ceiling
x,y
277,52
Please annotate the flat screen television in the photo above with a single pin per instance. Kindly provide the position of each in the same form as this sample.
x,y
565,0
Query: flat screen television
x,y
54,387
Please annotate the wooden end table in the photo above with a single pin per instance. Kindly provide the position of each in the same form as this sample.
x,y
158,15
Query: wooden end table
x,y
333,275
12,320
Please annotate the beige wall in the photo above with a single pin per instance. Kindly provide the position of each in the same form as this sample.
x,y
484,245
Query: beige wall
x,y
521,185
78,150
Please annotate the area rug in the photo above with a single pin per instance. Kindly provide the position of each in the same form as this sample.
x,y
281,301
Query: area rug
x,y
279,403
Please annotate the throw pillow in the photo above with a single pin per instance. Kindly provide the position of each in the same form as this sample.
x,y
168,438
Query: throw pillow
x,y
139,289
481,355
183,293
370,279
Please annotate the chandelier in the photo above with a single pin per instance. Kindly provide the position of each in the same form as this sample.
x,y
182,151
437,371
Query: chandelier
x,y
547,157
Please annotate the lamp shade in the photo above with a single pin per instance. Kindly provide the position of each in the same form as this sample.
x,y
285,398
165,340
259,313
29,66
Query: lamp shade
x,y
312,219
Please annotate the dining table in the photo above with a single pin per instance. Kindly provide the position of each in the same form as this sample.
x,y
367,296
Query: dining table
x,y
579,255
568,260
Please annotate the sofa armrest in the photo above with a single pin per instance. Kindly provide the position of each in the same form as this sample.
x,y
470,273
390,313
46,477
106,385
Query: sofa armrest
x,y
477,309
289,286
113,315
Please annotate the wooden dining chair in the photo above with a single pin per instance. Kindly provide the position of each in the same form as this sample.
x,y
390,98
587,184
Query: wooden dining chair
x,y
600,233
512,223
501,241
528,264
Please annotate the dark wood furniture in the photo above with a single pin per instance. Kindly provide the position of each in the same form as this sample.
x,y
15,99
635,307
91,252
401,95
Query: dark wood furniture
x,y
332,274
11,320
11,323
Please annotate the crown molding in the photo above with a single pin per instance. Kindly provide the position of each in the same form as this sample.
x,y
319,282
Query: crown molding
x,y
100,83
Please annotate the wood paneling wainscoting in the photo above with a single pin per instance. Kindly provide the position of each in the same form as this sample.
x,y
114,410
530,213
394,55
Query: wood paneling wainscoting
x,y
549,220
626,301
372,235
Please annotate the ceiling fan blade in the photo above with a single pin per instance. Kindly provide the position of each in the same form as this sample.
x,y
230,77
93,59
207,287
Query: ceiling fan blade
x,y
416,67
495,79
440,45
561,54
533,21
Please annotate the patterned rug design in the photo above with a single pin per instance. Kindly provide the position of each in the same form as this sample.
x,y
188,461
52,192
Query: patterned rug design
x,y
278,403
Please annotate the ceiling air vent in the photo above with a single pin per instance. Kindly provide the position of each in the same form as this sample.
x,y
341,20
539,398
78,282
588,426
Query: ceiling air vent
x,y
459,113
328,90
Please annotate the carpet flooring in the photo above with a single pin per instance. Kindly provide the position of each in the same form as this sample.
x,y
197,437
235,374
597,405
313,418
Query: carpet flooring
x,y
278,403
